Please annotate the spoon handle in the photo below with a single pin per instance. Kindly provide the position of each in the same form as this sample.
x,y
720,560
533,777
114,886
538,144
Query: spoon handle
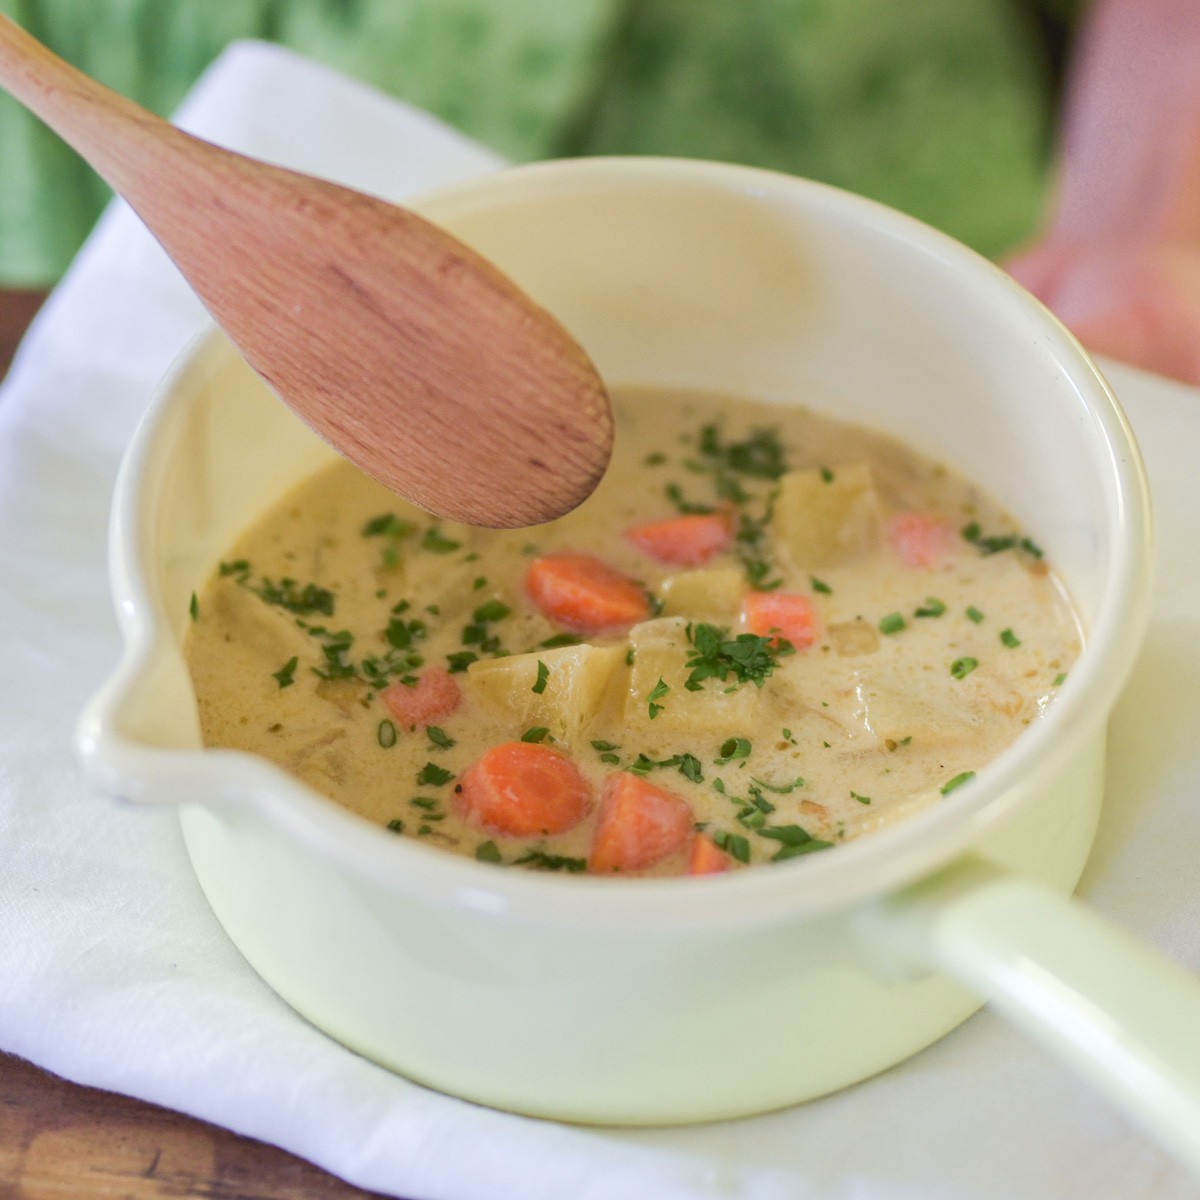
x,y
105,128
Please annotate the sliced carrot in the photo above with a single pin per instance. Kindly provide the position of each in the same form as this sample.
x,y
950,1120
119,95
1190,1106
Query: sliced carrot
x,y
637,826
707,858
919,540
433,697
524,789
790,615
688,541
584,594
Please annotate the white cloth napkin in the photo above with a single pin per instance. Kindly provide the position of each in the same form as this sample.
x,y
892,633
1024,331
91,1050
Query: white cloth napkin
x,y
116,974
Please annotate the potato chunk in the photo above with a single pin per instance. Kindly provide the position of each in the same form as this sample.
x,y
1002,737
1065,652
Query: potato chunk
x,y
660,652
706,595
820,521
577,680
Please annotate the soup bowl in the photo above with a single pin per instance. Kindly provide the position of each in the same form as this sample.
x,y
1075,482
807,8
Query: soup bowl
x,y
591,1000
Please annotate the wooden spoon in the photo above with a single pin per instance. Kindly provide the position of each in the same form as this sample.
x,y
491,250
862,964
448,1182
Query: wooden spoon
x,y
403,348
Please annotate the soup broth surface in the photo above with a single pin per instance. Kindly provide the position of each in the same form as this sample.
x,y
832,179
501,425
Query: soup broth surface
x,y
826,631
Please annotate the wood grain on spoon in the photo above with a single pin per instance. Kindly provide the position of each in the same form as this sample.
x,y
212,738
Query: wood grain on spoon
x,y
402,347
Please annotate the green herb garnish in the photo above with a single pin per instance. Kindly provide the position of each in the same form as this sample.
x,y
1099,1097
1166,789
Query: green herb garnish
x,y
1009,638
657,692
488,852
550,862
793,840
746,658
543,674
960,668
781,789
734,844
285,676
957,781
435,541
434,775
732,749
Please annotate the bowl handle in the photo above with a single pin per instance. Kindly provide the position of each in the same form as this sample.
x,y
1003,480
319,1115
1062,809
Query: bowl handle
x,y
1124,1016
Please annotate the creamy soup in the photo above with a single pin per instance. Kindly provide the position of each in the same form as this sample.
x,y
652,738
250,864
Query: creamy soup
x,y
765,634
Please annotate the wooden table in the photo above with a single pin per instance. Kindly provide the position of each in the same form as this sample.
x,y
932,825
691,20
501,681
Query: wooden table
x,y
59,1141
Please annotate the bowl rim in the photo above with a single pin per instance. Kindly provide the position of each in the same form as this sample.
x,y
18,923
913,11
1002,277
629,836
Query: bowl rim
x,y
900,853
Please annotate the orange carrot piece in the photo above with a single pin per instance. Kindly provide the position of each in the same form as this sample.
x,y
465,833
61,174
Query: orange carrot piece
x,y
637,826
688,541
790,615
919,540
524,789
707,858
434,696
584,594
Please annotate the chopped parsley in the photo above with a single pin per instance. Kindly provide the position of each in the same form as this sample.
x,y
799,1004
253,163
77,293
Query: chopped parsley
x,y
995,543
732,750
1009,638
543,674
559,639
973,614
960,668
860,798
761,455
933,607
793,841
488,852
657,692
435,541
387,525
893,623
303,601
493,610
550,862
438,737
194,608
538,733
460,661
286,675
957,781
734,844
674,493
479,632
434,775
746,658
781,789
820,586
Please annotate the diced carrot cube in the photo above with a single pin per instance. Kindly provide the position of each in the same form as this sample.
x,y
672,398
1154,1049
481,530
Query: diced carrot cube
x,y
584,594
687,541
637,825
524,789
433,697
790,615
919,540
707,857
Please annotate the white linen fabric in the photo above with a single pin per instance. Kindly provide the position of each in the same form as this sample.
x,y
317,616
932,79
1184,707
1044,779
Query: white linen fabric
x,y
116,974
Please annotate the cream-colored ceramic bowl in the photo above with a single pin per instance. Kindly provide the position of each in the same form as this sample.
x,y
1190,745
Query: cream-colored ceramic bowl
x,y
683,1000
